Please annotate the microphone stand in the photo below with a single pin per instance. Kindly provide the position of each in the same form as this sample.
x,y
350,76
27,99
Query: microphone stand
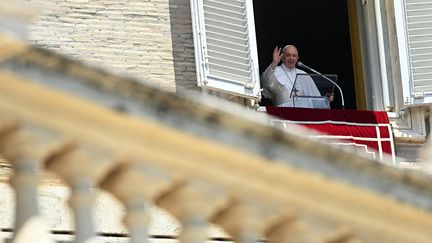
x,y
331,81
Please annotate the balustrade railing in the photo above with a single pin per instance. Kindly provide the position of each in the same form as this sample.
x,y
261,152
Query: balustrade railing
x,y
202,161
196,202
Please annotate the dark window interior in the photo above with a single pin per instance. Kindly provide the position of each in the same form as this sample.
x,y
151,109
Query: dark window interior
x,y
319,29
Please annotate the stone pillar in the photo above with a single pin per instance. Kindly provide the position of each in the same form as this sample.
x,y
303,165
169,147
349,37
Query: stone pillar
x,y
16,146
136,187
239,221
81,172
190,208
24,149
286,228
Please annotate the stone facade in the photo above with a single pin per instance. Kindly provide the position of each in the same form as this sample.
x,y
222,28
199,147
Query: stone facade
x,y
148,39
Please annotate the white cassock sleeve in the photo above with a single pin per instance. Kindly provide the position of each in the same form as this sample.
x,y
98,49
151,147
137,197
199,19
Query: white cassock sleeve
x,y
268,79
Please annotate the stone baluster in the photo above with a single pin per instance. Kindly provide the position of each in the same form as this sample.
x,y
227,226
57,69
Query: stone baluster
x,y
286,228
247,222
81,172
342,234
238,220
23,150
191,207
16,147
136,186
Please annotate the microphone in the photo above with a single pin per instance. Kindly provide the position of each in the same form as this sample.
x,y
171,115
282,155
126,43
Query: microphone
x,y
300,64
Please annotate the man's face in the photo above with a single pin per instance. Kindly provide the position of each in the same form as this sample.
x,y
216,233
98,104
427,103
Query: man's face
x,y
290,57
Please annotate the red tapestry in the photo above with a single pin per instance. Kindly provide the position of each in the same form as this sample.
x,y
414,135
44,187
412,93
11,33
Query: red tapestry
x,y
369,131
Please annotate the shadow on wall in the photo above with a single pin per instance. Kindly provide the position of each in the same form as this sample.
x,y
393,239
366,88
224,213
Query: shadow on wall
x,y
182,45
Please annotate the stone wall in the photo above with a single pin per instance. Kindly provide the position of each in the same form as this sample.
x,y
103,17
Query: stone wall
x,y
148,39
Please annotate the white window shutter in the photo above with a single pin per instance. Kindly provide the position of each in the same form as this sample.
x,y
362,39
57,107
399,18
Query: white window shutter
x,y
418,24
225,46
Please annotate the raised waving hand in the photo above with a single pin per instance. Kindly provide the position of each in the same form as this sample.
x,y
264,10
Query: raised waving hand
x,y
277,57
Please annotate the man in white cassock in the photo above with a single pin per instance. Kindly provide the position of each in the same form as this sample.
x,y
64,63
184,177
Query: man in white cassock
x,y
278,81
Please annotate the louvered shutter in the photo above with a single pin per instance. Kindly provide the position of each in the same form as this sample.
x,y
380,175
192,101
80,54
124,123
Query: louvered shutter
x,y
418,16
225,46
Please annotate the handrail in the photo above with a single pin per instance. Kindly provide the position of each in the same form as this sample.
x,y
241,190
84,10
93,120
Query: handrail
x,y
254,177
